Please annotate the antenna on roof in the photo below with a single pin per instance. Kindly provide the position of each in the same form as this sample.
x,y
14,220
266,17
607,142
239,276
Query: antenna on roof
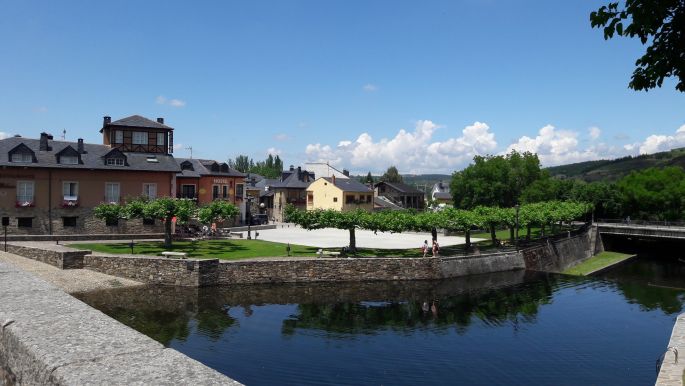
x,y
191,151
64,134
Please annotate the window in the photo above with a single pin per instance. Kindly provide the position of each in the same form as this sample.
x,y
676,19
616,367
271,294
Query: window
x,y
215,192
239,190
70,190
112,192
112,222
115,162
148,221
150,191
368,198
25,222
140,138
224,191
68,159
118,136
187,191
69,221
160,139
335,199
22,157
25,191
349,199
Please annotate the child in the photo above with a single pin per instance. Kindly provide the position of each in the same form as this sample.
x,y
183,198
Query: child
x,y
436,248
424,248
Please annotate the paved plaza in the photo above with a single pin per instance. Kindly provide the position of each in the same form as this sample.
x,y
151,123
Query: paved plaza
x,y
337,238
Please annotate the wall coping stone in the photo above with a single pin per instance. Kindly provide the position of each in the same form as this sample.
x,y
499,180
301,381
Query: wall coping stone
x,y
672,367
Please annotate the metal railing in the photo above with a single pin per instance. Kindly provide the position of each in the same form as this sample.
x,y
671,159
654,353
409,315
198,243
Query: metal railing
x,y
630,222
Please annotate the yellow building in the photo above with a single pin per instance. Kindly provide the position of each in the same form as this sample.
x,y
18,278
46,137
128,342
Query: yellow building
x,y
342,194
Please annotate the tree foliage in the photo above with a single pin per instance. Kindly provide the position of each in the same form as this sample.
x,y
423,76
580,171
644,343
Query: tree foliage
x,y
271,167
654,194
217,211
658,23
391,175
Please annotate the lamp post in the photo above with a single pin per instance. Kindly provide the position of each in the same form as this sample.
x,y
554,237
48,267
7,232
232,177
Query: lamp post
x,y
517,226
248,216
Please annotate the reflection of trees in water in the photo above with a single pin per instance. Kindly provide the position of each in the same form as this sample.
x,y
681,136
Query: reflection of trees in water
x,y
517,304
162,326
651,298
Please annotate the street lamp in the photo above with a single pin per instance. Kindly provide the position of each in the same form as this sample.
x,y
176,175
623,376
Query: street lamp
x,y
517,226
248,216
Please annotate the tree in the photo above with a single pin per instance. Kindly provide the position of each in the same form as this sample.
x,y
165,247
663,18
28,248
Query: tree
x,y
659,22
654,194
110,213
391,175
369,178
241,163
495,180
216,211
329,218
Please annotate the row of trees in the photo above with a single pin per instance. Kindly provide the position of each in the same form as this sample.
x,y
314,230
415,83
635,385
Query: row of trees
x,y
542,214
166,209
269,168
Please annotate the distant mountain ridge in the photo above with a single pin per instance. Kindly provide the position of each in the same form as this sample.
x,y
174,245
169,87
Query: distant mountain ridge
x,y
612,170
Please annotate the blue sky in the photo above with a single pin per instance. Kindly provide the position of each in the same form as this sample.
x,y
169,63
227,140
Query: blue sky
x,y
361,84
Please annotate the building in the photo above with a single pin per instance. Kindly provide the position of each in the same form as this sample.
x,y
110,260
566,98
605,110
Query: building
x,y
401,194
441,193
51,187
290,189
341,194
321,169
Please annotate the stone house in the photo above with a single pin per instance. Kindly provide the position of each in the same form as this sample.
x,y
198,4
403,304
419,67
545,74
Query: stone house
x,y
290,189
341,194
400,194
51,187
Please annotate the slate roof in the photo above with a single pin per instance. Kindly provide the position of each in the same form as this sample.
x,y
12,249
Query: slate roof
x,y
349,185
401,187
294,179
92,158
442,196
202,168
139,121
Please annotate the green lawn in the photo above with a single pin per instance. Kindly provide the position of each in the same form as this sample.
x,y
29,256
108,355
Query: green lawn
x,y
234,249
601,260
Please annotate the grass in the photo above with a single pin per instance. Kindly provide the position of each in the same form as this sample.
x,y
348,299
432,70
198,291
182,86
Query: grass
x,y
234,249
601,260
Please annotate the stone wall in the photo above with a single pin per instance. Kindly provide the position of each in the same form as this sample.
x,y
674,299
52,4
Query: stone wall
x,y
49,338
672,370
556,255
156,270
63,258
86,223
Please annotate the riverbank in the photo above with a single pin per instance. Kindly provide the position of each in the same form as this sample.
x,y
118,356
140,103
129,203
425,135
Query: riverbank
x,y
599,263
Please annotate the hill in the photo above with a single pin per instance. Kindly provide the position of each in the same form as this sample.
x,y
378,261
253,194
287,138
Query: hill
x,y
612,170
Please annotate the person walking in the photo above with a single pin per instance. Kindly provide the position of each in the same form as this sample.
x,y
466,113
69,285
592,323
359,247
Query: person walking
x,y
436,248
424,248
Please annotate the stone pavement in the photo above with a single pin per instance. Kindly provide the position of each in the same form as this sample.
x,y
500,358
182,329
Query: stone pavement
x,y
69,280
49,337
336,238
673,366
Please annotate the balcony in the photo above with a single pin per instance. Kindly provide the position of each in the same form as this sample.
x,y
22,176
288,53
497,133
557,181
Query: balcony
x,y
187,196
25,203
70,202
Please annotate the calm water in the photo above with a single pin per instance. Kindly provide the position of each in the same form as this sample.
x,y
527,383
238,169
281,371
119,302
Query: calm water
x,y
506,328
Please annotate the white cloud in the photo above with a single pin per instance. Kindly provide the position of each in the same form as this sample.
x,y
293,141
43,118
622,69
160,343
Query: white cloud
x,y
281,137
656,143
557,147
411,152
4,135
162,100
595,132
273,151
370,87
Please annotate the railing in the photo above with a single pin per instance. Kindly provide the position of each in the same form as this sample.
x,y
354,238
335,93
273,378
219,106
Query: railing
x,y
629,222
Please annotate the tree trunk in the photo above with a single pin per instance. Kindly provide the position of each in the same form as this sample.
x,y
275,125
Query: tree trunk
x,y
511,234
167,232
434,234
542,230
493,235
467,235
528,232
353,242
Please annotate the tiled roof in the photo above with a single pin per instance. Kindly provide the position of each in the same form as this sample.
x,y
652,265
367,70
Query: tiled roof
x,y
296,179
202,168
401,187
91,159
442,196
349,185
139,121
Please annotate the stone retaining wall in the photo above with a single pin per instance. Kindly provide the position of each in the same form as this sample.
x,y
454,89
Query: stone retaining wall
x,y
85,237
672,369
558,255
49,338
66,259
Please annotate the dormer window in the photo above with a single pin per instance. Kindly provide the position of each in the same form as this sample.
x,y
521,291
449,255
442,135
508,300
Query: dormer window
x,y
115,162
68,160
224,168
22,157
187,165
215,167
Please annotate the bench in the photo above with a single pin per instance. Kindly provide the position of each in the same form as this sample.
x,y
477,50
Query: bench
x,y
181,255
235,234
322,253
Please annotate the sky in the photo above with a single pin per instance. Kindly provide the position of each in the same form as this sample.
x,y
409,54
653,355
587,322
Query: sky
x,y
363,85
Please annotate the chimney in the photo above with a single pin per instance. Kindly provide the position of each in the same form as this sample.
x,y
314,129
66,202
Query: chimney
x,y
44,141
292,168
160,120
80,146
346,172
334,179
106,120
